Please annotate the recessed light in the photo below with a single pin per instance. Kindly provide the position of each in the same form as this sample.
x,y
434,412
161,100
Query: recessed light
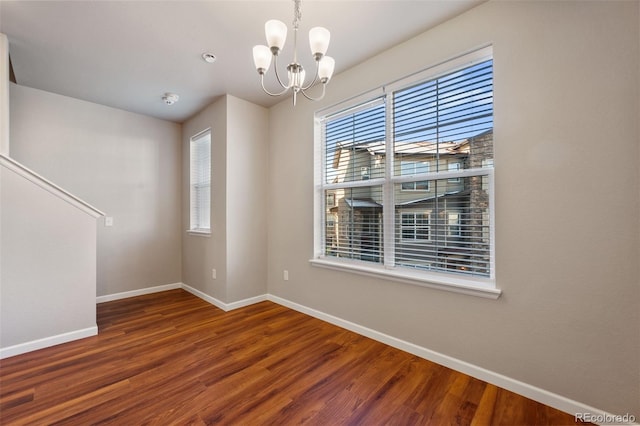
x,y
209,57
170,98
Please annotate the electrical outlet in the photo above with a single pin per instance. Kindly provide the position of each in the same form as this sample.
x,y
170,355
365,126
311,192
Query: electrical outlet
x,y
285,275
213,274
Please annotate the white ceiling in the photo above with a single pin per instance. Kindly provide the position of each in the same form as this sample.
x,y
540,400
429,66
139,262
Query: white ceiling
x,y
127,54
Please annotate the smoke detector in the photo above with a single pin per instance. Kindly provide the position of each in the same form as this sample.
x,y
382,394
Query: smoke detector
x,y
170,98
209,57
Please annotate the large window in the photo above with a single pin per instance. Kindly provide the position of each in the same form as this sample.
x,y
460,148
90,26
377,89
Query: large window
x,y
200,182
424,207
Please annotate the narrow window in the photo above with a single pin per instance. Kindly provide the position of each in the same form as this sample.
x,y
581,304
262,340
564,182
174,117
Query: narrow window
x,y
200,182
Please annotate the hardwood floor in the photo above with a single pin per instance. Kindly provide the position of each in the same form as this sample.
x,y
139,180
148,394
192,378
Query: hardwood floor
x,y
171,358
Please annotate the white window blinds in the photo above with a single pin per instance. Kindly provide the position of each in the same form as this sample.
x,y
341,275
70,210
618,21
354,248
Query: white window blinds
x,y
446,125
354,142
407,177
200,182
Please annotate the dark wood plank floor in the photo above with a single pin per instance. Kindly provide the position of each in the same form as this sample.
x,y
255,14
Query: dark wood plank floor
x,y
171,358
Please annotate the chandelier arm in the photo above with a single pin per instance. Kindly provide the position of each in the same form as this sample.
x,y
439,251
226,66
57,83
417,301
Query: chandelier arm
x,y
311,98
315,78
275,68
268,92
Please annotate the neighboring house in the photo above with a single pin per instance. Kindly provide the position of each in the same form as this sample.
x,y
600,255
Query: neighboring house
x,y
438,222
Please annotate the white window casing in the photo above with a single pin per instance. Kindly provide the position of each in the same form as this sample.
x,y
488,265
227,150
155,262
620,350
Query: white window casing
x,y
405,180
200,183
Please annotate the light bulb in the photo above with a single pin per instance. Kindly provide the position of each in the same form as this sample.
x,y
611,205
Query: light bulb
x,y
276,32
261,58
325,68
319,41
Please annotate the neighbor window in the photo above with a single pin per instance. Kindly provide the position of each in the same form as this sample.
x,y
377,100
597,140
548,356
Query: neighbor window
x,y
200,182
424,212
415,226
411,168
454,167
453,220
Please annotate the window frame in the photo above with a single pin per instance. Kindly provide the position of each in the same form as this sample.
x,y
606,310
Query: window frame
x,y
476,286
195,228
455,170
415,227
414,184
454,229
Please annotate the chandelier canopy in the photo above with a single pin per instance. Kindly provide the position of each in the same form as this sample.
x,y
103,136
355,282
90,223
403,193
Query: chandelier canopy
x,y
276,33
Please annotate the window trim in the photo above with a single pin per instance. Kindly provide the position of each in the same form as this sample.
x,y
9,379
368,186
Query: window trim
x,y
476,286
197,231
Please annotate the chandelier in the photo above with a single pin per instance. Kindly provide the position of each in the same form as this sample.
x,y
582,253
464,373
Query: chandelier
x,y
276,32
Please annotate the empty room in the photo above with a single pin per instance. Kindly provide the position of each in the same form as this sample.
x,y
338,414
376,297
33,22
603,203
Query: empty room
x,y
320,212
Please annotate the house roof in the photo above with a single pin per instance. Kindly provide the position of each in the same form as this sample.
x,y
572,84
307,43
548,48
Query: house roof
x,y
361,203
422,147
416,147
410,148
452,194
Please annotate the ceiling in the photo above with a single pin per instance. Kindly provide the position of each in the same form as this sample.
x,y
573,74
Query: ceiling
x,y
127,54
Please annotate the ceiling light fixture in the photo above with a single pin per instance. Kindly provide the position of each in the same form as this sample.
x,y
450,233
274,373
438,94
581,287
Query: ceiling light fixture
x,y
170,98
209,57
276,32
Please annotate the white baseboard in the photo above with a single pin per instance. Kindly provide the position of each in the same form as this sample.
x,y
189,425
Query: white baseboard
x,y
246,302
222,305
140,292
215,302
34,345
551,399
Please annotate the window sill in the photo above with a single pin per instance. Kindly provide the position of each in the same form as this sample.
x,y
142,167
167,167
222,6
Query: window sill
x,y
477,287
199,232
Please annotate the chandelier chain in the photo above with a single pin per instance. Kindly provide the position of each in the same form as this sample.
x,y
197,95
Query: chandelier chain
x,y
297,14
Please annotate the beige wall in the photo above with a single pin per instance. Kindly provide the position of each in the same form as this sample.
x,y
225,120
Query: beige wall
x,y
48,265
125,164
567,203
4,94
237,245
201,254
247,202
